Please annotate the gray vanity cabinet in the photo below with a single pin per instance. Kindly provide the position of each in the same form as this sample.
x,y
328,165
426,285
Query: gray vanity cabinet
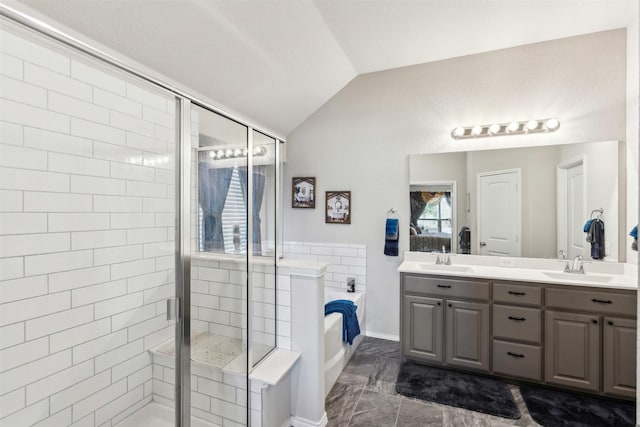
x,y
576,337
467,334
423,334
572,350
619,356
445,321
594,352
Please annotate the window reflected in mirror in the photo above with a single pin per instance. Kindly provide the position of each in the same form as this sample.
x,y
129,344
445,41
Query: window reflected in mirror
x,y
432,222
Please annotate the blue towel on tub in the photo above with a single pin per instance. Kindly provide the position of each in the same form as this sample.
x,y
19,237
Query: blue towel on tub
x,y
391,237
350,325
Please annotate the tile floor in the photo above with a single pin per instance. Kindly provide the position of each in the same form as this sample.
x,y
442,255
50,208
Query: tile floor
x,y
365,395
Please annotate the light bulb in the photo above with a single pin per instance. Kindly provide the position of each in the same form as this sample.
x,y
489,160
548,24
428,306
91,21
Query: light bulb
x,y
513,127
458,132
552,124
494,128
220,153
245,152
237,152
476,130
228,152
212,153
532,124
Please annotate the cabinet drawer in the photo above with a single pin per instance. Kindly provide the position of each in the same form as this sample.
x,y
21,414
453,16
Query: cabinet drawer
x,y
447,287
517,323
517,294
517,360
599,302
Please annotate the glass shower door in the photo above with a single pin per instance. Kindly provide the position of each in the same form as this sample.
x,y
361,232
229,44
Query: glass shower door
x,y
87,226
262,258
219,268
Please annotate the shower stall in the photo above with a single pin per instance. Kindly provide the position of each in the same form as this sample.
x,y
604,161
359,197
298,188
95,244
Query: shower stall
x,y
139,235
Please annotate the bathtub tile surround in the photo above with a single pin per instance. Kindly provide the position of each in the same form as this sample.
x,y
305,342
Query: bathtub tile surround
x,y
86,237
344,259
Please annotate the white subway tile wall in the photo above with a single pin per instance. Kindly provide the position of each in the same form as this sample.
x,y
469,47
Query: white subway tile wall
x,y
216,396
345,260
219,291
86,237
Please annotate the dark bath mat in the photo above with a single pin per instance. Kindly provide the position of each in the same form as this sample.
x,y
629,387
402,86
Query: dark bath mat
x,y
466,391
557,408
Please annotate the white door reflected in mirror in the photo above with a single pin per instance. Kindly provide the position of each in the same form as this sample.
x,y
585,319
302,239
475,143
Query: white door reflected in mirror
x,y
499,213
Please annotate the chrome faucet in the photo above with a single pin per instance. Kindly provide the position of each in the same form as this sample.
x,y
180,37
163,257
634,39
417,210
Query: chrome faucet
x,y
577,266
438,258
563,254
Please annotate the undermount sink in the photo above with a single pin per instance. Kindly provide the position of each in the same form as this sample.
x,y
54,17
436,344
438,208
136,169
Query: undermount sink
x,y
579,277
442,267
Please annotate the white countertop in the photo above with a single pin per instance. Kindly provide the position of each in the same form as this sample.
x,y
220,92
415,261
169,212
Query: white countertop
x,y
628,281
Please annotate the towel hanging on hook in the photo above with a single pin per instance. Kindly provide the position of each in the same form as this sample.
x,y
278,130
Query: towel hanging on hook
x,y
392,233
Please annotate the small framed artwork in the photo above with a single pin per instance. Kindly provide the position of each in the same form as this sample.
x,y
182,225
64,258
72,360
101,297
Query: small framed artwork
x,y
303,192
337,208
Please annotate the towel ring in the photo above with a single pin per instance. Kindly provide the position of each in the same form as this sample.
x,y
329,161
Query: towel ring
x,y
600,211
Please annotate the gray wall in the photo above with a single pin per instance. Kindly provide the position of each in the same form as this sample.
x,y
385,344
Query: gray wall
x,y
360,140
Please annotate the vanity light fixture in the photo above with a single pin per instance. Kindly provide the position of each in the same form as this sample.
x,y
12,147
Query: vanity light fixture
x,y
501,129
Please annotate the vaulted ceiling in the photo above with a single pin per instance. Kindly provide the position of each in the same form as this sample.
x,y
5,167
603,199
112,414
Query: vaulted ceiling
x,y
277,62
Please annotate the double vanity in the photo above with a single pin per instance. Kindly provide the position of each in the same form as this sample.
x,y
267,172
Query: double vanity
x,y
523,319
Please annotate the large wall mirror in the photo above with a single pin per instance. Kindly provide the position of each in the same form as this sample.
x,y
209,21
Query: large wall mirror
x,y
532,201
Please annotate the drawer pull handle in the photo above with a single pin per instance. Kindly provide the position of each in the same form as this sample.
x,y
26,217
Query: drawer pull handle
x,y
610,323
519,356
439,303
444,286
517,293
601,301
517,319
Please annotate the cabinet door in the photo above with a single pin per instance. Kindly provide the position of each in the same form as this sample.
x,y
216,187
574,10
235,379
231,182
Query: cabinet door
x,y
422,328
619,356
572,344
467,335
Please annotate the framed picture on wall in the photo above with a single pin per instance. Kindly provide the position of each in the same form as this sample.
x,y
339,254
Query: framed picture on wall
x,y
303,192
337,209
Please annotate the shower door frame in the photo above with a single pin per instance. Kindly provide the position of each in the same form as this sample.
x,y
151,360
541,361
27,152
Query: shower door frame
x,y
182,387
184,100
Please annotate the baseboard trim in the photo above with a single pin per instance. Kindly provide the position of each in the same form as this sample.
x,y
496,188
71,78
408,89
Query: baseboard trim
x,y
383,336
303,422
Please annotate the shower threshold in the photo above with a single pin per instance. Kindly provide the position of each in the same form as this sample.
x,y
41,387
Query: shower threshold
x,y
156,415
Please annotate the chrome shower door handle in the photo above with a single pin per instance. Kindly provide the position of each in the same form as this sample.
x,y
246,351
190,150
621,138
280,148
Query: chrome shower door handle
x,y
172,309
